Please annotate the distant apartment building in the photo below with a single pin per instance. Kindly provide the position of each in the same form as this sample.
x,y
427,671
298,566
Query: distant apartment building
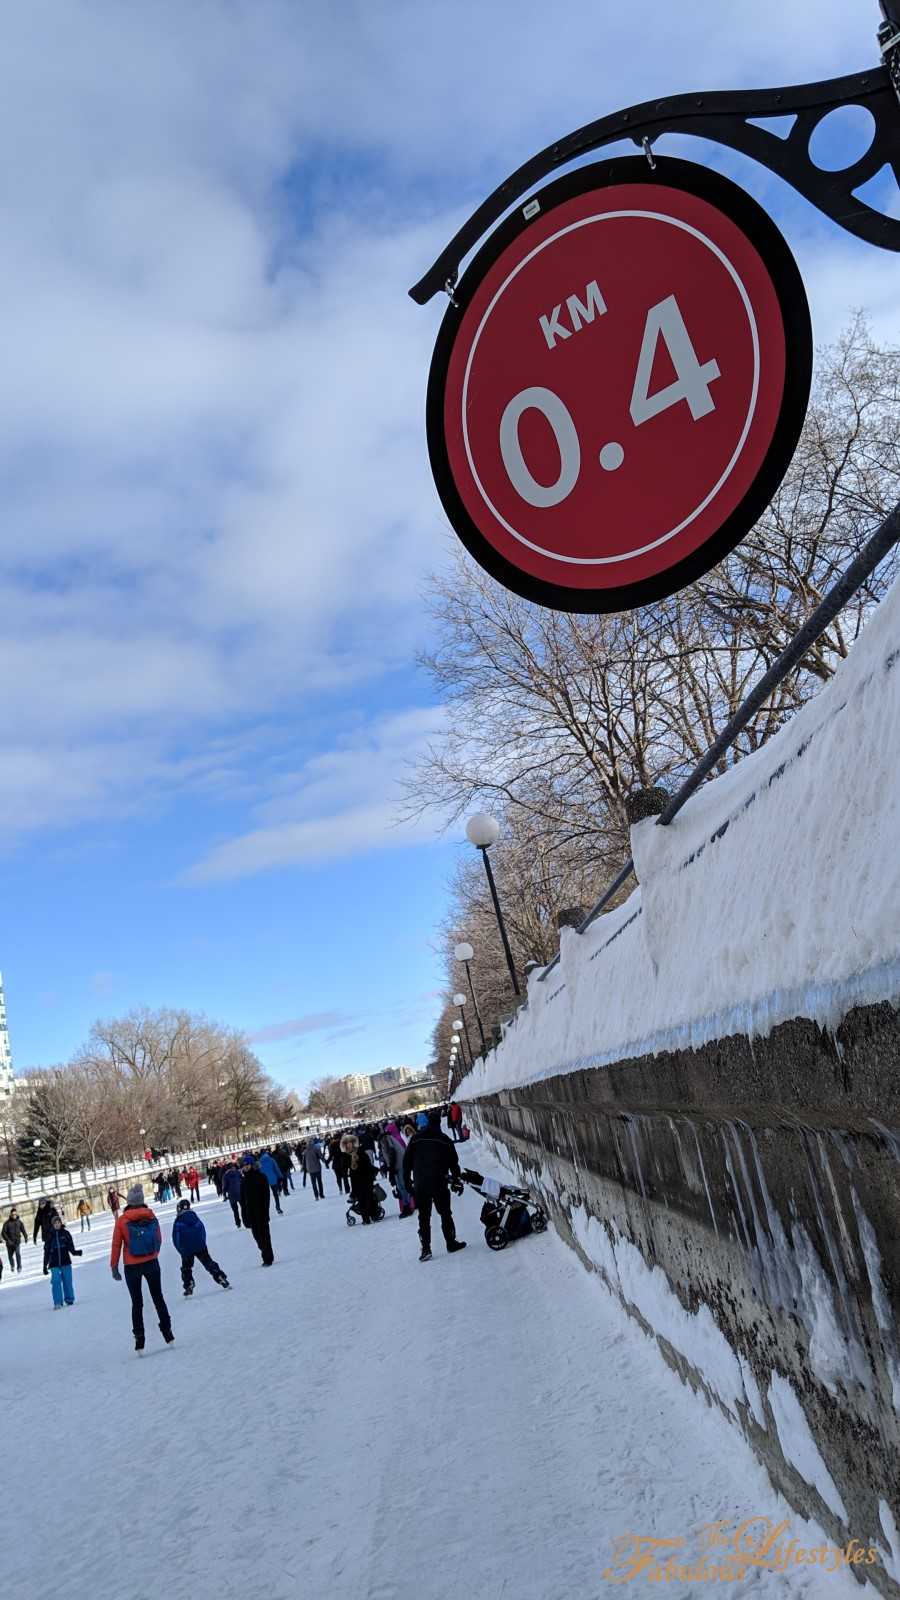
x,y
358,1083
393,1077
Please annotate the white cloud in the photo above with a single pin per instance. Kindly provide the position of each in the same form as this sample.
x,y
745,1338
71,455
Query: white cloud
x,y
217,503
340,803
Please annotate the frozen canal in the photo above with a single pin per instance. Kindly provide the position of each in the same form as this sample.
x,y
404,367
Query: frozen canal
x,y
353,1423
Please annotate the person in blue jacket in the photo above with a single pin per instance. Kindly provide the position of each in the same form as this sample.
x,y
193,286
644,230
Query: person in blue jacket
x,y
231,1190
189,1239
59,1249
270,1167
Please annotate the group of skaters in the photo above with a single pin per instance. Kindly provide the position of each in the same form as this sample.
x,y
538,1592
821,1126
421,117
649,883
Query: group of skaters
x,y
168,1185
418,1159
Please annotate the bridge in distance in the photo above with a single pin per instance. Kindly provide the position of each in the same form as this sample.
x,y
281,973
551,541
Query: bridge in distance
x,y
363,1101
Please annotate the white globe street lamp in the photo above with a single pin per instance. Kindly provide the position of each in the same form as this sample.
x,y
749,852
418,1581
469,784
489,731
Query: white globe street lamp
x,y
460,1000
483,831
464,953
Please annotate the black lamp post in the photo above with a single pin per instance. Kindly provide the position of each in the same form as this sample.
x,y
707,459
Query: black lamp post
x,y
464,953
457,1034
460,1000
483,831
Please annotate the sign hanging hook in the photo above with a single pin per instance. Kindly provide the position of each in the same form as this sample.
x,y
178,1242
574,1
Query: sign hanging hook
x,y
648,152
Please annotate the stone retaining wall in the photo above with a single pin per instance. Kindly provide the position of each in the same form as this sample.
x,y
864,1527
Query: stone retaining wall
x,y
743,1201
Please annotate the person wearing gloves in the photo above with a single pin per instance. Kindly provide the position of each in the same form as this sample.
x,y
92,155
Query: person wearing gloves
x,y
189,1239
138,1239
430,1169
269,1166
59,1249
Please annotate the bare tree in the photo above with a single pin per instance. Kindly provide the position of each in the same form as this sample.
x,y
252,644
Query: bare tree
x,y
329,1097
555,720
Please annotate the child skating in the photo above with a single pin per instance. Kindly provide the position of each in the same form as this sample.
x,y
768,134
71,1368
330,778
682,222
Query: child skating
x,y
58,1252
189,1239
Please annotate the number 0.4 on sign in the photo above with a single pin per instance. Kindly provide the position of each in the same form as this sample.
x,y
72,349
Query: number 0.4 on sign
x,y
620,385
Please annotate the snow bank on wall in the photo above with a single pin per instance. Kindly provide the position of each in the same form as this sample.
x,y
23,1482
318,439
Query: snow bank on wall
x,y
774,894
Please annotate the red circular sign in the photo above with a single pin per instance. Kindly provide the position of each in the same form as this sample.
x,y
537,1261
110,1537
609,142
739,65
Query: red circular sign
x,y
620,386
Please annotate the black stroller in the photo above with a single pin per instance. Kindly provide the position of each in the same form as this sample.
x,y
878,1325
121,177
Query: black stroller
x,y
508,1213
353,1211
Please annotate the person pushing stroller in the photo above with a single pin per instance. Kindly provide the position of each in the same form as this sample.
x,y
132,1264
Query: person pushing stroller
x,y
430,1170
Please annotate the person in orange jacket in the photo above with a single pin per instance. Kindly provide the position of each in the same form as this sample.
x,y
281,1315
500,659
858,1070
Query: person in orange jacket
x,y
137,1237
192,1178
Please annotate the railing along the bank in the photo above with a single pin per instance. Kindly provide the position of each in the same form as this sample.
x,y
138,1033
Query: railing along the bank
x,y
882,542
20,1189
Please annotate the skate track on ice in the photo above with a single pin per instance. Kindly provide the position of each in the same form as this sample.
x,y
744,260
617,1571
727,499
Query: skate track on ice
x,y
353,1423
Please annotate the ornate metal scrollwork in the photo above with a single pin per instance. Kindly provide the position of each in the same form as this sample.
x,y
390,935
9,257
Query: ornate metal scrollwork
x,y
728,119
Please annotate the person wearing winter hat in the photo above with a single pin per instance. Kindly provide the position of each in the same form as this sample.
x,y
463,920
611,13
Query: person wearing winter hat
x,y
256,1195
58,1252
137,1237
189,1239
430,1169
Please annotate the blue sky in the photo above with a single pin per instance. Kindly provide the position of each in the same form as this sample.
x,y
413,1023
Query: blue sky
x,y
217,511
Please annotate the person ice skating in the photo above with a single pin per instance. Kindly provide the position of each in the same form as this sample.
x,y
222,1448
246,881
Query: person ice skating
x,y
362,1183
231,1190
256,1199
114,1200
83,1211
15,1234
215,1174
285,1167
189,1239
334,1158
193,1183
269,1166
393,1149
138,1238
430,1165
43,1219
312,1163
455,1120
59,1249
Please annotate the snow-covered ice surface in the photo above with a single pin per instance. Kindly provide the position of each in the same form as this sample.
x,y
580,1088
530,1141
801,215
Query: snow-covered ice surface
x,y
772,895
351,1423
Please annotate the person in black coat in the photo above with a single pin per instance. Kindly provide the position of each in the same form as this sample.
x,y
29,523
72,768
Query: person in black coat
x,y
256,1196
335,1159
430,1165
43,1219
362,1182
285,1166
15,1234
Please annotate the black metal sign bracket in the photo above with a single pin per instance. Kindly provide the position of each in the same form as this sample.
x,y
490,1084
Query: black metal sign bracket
x,y
729,119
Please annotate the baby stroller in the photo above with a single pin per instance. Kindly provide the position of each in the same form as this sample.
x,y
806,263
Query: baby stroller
x,y
508,1213
353,1211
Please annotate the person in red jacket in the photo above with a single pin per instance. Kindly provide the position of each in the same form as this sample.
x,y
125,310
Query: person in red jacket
x,y
138,1238
455,1120
192,1178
